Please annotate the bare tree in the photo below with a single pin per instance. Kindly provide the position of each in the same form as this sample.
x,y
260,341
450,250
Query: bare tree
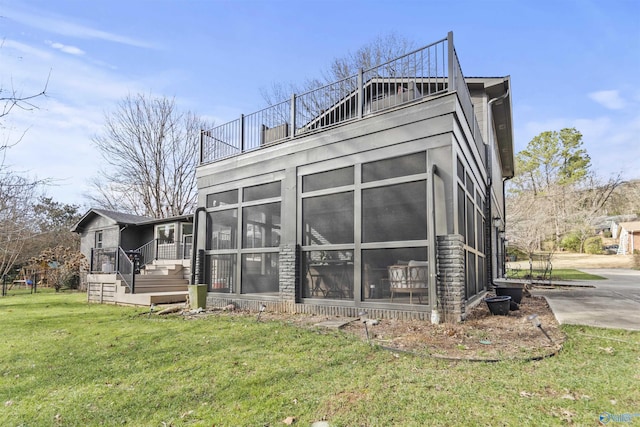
x,y
16,198
381,50
150,150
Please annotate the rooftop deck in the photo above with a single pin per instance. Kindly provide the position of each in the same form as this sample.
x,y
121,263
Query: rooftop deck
x,y
425,72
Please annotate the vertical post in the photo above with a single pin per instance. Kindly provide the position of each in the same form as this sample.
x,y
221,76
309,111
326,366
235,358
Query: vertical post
x,y
155,255
201,146
242,144
451,54
91,262
360,92
4,285
293,115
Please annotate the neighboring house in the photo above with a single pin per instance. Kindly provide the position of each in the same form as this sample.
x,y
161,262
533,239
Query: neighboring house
x,y
383,192
131,254
629,238
615,223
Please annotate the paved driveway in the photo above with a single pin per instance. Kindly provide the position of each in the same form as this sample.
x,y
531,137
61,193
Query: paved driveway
x,y
612,303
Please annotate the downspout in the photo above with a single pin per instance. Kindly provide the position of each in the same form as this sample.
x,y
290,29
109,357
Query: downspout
x,y
488,154
194,250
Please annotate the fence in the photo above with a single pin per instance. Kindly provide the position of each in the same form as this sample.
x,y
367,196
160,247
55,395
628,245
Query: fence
x,y
427,71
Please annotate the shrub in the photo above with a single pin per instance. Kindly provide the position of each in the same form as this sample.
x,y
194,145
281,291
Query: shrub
x,y
571,242
593,245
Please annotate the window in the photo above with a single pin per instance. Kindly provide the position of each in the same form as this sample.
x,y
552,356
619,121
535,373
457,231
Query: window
x,y
471,223
378,208
395,212
98,244
328,274
329,179
223,226
263,191
395,167
165,233
261,226
223,198
245,260
260,272
384,269
328,219
222,270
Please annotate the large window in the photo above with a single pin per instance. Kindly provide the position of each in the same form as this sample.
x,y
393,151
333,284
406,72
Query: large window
x,y
471,223
251,259
378,208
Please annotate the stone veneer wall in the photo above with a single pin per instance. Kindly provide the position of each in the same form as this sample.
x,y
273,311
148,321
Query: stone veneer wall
x,y
451,278
289,272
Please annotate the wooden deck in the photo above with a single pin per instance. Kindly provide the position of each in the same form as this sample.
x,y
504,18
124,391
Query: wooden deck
x,y
162,284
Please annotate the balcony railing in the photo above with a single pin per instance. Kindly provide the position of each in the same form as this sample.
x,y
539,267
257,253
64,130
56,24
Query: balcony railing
x,y
431,70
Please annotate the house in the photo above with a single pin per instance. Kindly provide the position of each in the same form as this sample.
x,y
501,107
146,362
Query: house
x,y
135,259
629,238
383,192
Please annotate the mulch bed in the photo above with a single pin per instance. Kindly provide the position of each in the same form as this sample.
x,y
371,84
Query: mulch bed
x,y
481,337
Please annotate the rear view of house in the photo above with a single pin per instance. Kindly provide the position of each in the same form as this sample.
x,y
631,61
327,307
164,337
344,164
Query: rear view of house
x,y
382,193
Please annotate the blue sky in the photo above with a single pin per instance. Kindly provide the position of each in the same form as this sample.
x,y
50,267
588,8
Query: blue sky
x,y
572,64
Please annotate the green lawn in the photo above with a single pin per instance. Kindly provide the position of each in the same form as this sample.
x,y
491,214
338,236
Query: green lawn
x,y
556,274
65,362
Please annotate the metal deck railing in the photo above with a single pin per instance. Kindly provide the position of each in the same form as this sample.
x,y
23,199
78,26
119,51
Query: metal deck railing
x,y
428,71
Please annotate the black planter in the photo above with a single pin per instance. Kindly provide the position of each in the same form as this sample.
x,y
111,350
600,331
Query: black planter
x,y
515,292
499,305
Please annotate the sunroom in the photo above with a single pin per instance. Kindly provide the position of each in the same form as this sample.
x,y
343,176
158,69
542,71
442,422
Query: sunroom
x,y
388,209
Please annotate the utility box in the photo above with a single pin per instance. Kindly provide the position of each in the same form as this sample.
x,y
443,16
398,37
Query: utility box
x,y
197,296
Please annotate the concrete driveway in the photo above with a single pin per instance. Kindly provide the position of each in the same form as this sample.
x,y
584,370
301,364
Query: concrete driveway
x,y
612,303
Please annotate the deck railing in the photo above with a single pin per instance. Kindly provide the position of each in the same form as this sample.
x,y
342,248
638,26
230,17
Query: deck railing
x,y
126,269
428,71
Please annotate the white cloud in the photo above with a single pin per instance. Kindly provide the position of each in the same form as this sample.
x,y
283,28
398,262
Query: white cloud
x,y
66,49
61,26
609,99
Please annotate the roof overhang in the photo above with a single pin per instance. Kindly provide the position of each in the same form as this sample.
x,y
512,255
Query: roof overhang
x,y
498,90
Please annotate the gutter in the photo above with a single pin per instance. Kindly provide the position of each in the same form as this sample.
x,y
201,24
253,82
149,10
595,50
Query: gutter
x,y
488,155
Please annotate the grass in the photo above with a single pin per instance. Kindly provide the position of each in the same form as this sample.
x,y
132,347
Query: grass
x,y
556,274
65,362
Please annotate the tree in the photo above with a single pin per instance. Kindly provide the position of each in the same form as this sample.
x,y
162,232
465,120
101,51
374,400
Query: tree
x,y
150,151
553,163
59,266
51,224
379,51
16,198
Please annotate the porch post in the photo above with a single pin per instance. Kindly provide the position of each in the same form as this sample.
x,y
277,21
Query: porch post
x,y
451,278
450,59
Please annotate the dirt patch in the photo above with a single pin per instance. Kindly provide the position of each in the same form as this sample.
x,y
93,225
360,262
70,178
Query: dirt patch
x,y
482,336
